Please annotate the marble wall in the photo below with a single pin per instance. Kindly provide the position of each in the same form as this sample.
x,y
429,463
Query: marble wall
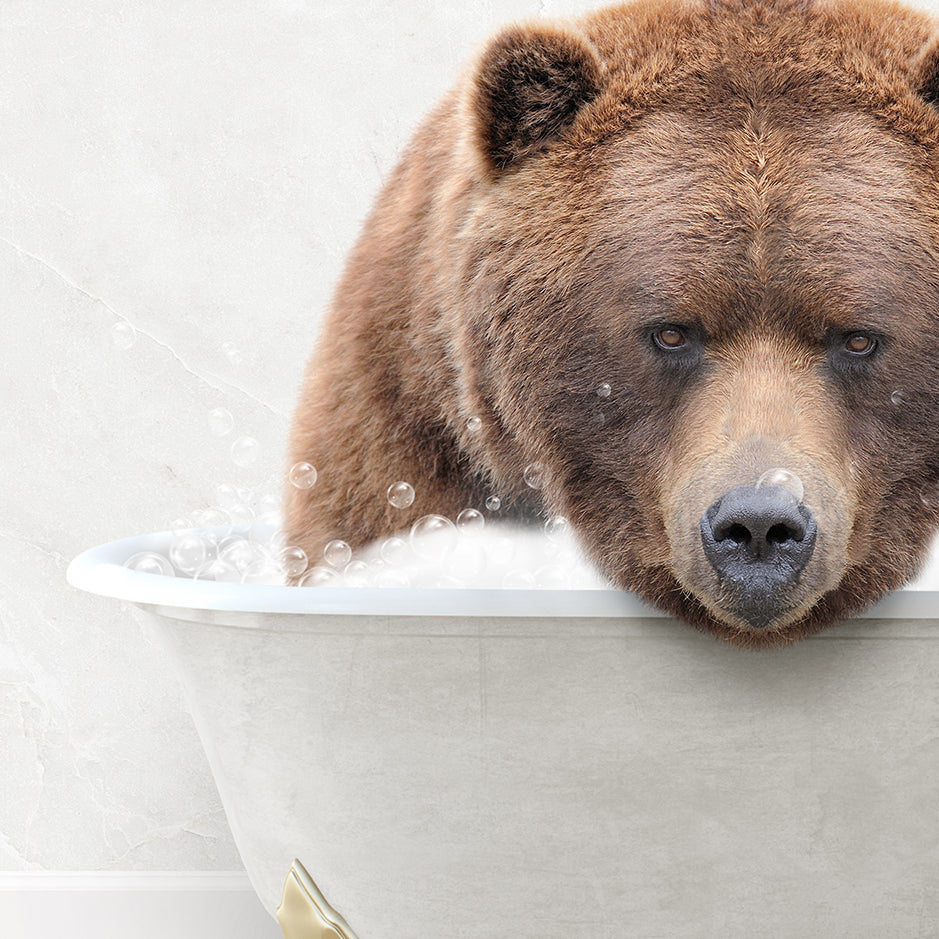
x,y
196,171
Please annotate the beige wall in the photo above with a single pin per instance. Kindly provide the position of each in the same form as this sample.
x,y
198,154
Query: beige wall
x,y
197,170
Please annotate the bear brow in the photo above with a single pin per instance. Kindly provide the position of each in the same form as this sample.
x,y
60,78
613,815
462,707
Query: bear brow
x,y
862,308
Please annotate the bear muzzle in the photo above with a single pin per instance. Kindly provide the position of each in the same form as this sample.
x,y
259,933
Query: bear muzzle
x,y
758,541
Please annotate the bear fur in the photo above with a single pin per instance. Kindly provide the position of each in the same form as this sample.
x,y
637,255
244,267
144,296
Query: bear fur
x,y
754,180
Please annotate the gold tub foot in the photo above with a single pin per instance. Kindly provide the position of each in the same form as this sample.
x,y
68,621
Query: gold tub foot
x,y
304,913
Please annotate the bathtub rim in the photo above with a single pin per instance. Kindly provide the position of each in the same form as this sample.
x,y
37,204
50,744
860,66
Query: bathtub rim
x,y
100,570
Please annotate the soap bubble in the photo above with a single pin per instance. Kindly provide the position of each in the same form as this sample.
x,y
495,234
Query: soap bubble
x,y
232,353
355,574
474,424
302,475
534,475
604,390
433,536
220,422
293,559
123,335
227,542
263,571
394,550
493,503
784,479
239,552
218,519
470,520
401,495
337,554
557,527
320,577
180,525
245,451
188,552
219,571
149,562
278,540
232,498
898,399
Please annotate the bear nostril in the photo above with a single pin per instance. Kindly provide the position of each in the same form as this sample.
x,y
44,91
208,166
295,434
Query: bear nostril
x,y
738,533
777,534
781,533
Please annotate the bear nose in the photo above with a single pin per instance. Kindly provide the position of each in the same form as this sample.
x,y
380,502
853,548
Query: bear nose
x,y
758,541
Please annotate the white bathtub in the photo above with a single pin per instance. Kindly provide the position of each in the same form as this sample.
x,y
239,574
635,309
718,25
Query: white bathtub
x,y
460,764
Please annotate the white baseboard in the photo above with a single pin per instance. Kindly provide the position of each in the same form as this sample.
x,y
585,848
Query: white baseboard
x,y
110,881
131,905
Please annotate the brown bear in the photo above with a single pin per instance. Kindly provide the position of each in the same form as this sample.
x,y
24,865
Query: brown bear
x,y
659,250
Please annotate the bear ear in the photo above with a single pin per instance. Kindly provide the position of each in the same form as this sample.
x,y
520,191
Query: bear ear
x,y
925,72
530,84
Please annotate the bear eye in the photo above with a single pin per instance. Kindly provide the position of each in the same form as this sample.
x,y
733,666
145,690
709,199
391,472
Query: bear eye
x,y
860,344
669,338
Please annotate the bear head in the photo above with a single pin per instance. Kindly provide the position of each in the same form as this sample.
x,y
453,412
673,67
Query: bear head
x,y
682,258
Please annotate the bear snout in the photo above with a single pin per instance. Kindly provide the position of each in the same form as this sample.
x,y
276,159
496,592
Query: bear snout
x,y
758,540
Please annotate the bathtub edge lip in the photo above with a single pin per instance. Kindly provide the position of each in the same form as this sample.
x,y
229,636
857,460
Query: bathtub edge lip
x,y
99,571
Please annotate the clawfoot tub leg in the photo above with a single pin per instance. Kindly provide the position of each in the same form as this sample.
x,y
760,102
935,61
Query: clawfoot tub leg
x,y
304,913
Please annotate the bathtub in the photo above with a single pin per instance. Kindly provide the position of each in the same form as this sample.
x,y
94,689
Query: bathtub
x,y
550,764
